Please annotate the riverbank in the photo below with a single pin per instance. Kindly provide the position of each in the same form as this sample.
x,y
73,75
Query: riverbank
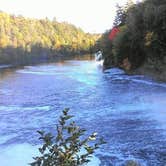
x,y
4,66
156,73
58,58
154,69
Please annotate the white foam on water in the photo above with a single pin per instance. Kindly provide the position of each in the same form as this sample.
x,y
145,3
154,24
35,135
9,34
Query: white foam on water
x,y
148,82
22,154
40,70
9,108
153,107
5,91
100,63
42,108
114,71
18,155
35,72
5,138
85,76
88,80
157,103
143,80
94,161
15,108
135,78
135,106
4,66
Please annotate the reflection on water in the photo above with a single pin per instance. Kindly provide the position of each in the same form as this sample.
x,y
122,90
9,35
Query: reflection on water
x,y
129,111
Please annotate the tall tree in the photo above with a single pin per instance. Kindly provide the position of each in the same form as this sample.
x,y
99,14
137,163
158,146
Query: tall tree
x,y
120,17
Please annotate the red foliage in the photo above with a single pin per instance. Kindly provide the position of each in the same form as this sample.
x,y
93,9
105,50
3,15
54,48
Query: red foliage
x,y
113,33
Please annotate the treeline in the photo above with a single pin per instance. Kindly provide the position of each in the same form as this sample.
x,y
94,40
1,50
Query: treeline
x,y
25,40
142,36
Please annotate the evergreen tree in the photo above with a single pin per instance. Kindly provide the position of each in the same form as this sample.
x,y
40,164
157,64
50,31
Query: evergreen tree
x,y
120,17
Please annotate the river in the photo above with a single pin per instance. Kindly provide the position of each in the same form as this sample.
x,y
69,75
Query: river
x,y
128,111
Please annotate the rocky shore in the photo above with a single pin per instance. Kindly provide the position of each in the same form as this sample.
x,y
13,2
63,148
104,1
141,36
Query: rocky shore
x,y
156,69
156,73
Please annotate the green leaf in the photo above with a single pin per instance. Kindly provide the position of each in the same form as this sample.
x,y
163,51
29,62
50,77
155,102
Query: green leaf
x,y
64,148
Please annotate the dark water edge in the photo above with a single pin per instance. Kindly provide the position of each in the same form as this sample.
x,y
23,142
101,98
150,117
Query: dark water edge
x,y
149,71
58,58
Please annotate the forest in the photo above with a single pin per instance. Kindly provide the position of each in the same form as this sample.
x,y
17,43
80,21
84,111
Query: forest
x,y
141,39
26,40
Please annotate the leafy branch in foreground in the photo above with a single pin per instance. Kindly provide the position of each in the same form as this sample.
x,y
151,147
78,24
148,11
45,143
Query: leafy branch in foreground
x,y
67,148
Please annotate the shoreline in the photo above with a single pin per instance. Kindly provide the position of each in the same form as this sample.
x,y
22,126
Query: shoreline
x,y
56,59
145,70
148,70
6,66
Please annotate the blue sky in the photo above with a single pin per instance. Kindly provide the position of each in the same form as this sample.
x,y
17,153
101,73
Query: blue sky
x,y
93,16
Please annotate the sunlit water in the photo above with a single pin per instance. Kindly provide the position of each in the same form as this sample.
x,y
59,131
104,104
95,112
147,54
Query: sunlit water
x,y
128,111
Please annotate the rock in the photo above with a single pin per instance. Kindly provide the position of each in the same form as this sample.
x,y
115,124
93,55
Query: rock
x,y
132,163
148,70
126,65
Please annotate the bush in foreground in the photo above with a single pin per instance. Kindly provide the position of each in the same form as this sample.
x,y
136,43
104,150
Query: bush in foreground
x,y
68,148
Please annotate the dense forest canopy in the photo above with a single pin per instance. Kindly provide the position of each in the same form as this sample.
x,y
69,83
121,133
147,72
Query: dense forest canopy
x,y
24,40
142,36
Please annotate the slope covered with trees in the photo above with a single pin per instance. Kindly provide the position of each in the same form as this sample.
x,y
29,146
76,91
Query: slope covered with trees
x,y
141,40
25,40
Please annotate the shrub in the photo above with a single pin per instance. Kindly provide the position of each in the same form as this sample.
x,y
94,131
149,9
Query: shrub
x,y
68,148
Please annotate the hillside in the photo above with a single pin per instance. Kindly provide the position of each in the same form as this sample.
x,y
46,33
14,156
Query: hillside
x,y
26,40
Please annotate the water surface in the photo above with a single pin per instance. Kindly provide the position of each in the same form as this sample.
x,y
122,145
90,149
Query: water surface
x,y
128,111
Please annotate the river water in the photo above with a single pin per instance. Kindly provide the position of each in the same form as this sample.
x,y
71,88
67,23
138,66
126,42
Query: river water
x,y
128,111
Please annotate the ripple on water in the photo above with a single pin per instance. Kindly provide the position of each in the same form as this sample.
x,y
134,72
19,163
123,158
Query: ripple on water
x,y
128,111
